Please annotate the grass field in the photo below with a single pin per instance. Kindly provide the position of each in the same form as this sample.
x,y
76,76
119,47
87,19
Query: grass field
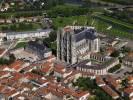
x,y
63,21
115,21
100,25
119,1
20,27
20,45
114,69
21,14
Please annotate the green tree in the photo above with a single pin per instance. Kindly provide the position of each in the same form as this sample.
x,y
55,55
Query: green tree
x,y
115,53
90,84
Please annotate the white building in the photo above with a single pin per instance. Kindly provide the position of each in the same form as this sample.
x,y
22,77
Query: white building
x,y
128,60
28,34
96,68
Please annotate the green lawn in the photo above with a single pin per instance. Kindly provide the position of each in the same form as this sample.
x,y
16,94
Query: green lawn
x,y
20,27
100,25
91,86
123,2
115,68
21,14
115,21
20,45
63,21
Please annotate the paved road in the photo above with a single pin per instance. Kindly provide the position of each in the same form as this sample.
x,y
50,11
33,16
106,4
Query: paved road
x,y
9,47
130,43
122,72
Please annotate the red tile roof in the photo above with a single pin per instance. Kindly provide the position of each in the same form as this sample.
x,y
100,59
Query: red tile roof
x,y
1,50
2,73
79,94
112,81
2,67
109,91
59,68
65,90
99,80
129,90
16,65
130,78
130,54
46,67
30,75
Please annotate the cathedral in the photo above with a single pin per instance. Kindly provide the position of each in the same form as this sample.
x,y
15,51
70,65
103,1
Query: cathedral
x,y
76,41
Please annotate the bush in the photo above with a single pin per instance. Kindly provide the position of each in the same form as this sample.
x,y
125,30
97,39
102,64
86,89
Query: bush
x,y
89,84
115,54
115,68
4,61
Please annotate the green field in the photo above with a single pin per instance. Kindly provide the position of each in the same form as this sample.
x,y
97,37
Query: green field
x,y
21,14
127,2
20,45
20,27
114,69
100,25
115,21
63,21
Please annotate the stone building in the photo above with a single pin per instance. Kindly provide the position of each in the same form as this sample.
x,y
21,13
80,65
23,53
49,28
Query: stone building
x,y
96,68
73,41
39,49
128,60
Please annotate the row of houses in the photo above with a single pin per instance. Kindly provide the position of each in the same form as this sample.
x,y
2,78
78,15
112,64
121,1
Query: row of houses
x,y
20,20
113,87
53,80
128,60
27,34
20,81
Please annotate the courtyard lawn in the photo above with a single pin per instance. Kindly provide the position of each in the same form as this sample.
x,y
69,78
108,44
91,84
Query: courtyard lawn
x,y
114,69
20,45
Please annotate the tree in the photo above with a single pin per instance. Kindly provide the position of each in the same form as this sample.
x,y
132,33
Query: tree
x,y
58,79
101,95
115,53
4,61
126,49
115,68
89,84
5,39
86,83
53,36
12,58
4,28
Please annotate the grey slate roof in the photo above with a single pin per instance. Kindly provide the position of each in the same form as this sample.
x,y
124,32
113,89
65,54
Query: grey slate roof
x,y
41,47
85,34
82,64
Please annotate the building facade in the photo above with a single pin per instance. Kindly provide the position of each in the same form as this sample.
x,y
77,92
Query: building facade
x,y
27,34
96,69
128,60
73,41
